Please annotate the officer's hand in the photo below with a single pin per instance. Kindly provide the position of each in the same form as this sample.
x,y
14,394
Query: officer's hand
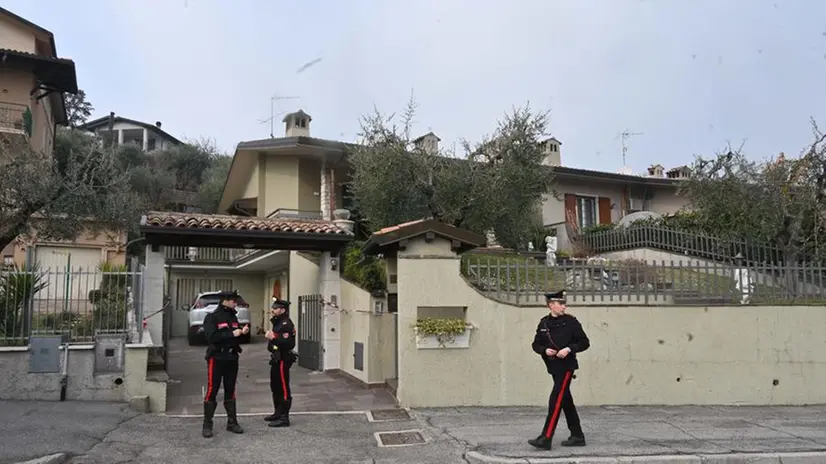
x,y
236,333
269,335
246,329
550,352
563,352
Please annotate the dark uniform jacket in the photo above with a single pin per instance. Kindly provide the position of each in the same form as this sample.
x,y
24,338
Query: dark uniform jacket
x,y
283,343
557,333
218,327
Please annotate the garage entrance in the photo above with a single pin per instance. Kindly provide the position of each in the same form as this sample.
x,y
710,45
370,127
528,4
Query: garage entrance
x,y
185,364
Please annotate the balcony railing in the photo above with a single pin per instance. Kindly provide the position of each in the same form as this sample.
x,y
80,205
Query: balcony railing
x,y
203,255
15,117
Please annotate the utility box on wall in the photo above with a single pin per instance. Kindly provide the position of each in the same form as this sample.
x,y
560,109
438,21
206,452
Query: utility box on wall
x,y
109,353
44,354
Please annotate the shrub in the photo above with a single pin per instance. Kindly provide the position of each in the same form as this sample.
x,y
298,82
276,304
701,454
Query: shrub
x,y
367,272
16,289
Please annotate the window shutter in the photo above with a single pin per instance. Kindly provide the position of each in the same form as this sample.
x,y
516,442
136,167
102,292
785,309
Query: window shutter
x,y
604,210
570,209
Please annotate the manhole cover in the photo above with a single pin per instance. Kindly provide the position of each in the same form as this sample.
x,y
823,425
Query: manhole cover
x,y
384,415
401,438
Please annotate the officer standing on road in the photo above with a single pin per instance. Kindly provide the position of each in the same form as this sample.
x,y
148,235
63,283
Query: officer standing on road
x,y
281,342
559,337
222,331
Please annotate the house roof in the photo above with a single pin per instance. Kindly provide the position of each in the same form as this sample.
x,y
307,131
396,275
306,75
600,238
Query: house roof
x,y
587,174
425,135
104,121
395,237
284,142
190,229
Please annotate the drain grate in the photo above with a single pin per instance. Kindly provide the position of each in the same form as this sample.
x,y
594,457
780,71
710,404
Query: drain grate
x,y
400,438
386,415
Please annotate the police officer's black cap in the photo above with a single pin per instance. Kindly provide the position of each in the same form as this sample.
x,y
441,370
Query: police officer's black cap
x,y
556,296
228,295
277,303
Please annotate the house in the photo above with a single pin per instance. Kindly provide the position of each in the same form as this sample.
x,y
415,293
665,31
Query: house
x,y
584,198
118,130
33,80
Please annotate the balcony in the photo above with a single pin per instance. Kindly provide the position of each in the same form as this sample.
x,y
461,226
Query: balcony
x,y
201,255
15,118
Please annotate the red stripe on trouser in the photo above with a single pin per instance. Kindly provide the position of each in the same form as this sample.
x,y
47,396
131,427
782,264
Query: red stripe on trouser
x,y
210,369
283,380
558,405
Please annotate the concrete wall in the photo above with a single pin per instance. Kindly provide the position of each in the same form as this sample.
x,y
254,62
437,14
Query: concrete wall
x,y
359,324
743,355
83,384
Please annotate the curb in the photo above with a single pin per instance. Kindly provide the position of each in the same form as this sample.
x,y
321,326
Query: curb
x,y
815,457
58,458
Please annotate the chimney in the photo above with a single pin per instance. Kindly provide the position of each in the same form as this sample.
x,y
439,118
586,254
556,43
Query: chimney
x,y
552,155
429,143
297,124
656,170
158,124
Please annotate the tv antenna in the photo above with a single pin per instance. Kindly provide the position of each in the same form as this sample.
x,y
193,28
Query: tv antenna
x,y
271,119
625,136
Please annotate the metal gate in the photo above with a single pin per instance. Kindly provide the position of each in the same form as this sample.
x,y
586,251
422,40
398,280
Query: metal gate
x,y
310,320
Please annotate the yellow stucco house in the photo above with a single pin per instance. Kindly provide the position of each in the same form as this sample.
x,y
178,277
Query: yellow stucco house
x,y
33,81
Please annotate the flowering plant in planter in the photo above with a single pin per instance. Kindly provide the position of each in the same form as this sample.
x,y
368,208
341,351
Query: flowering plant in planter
x,y
444,330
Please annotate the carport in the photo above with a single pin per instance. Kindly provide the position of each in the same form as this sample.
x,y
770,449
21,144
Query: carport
x,y
161,229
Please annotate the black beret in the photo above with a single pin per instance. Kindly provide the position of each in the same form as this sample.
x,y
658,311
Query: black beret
x,y
557,296
280,304
228,295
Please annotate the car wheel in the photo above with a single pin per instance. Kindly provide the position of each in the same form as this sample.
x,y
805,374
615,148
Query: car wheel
x,y
191,338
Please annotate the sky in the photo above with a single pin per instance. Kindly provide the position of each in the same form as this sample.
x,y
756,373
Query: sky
x,y
690,77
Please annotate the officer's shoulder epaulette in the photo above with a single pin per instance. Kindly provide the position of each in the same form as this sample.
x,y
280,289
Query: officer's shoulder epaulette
x,y
571,316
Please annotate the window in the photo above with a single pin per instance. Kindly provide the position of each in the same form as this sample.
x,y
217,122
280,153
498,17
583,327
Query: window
x,y
208,300
586,211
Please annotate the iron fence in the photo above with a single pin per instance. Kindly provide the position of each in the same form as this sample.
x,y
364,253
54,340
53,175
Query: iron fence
x,y
525,280
206,254
77,304
14,116
676,241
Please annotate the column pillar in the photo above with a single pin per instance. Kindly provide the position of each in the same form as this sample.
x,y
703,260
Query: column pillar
x,y
324,194
145,139
330,289
153,292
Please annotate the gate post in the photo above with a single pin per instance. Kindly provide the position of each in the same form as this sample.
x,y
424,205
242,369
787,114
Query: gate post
x,y
153,293
330,290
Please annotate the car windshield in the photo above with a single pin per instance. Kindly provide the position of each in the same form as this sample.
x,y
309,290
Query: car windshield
x,y
208,300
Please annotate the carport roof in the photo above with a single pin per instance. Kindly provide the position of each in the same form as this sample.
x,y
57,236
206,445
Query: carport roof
x,y
396,237
216,230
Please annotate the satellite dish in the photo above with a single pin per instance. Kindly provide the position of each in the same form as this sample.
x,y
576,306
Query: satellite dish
x,y
638,216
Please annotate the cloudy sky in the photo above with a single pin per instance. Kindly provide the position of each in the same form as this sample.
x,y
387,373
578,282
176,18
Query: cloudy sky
x,y
690,76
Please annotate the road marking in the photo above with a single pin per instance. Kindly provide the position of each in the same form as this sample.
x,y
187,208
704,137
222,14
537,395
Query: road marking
x,y
262,414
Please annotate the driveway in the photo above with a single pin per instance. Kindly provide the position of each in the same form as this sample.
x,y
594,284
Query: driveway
x,y
312,391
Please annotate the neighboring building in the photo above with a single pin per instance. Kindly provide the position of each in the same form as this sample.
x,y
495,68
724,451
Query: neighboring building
x,y
33,80
583,198
117,131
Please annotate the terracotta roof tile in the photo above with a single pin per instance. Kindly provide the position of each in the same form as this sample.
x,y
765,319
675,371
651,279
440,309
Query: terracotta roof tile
x,y
241,223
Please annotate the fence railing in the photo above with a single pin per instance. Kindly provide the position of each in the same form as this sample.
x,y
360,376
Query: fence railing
x,y
676,241
13,116
76,304
205,254
525,281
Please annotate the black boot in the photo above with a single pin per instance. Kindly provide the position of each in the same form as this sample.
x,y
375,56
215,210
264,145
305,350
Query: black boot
x,y
540,442
232,418
276,404
283,420
209,411
574,440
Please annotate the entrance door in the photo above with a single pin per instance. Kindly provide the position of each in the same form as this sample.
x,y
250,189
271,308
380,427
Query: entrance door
x,y
310,312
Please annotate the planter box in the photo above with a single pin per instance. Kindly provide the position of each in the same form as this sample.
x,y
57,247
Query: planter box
x,y
425,342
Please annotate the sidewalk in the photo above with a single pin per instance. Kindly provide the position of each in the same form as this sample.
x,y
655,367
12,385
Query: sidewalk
x,y
655,434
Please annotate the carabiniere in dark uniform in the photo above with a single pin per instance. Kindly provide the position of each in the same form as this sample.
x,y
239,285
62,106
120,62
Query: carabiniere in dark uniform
x,y
281,342
222,331
559,338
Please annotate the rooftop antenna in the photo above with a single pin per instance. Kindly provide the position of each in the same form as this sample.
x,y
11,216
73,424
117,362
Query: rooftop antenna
x,y
271,119
625,136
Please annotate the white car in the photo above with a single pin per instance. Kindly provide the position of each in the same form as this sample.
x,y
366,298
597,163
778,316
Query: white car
x,y
206,303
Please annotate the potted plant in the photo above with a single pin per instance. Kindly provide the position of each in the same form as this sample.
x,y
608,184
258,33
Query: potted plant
x,y
442,333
